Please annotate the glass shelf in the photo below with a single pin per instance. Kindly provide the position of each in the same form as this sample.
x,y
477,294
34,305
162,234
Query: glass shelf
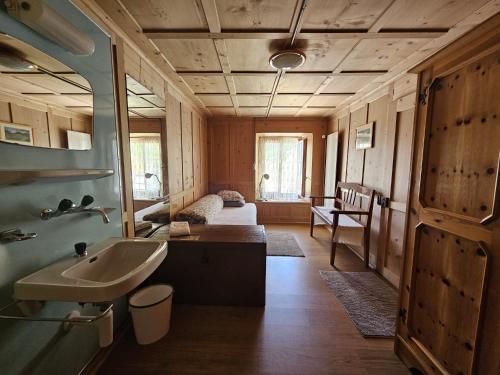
x,y
21,177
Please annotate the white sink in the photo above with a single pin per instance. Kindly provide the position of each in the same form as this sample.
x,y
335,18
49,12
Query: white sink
x,y
111,269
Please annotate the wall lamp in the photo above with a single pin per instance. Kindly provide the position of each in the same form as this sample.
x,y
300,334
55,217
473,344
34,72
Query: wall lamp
x,y
264,176
149,175
46,21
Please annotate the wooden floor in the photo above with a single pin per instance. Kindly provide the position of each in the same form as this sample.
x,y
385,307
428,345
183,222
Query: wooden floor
x,y
302,330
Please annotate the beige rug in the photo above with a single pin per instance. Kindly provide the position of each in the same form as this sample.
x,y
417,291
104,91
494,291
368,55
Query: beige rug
x,y
282,244
369,301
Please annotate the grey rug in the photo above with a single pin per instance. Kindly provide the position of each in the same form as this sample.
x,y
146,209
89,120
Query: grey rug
x,y
369,301
282,244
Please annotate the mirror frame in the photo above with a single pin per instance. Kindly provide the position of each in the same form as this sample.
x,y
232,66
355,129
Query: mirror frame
x,y
102,84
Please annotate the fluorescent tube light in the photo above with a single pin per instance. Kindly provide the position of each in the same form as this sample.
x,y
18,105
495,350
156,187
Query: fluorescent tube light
x,y
50,24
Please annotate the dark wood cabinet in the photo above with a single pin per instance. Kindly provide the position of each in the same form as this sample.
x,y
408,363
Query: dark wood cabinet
x,y
216,265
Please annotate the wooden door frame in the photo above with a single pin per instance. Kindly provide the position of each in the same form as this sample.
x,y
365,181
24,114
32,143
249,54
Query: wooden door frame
x,y
124,139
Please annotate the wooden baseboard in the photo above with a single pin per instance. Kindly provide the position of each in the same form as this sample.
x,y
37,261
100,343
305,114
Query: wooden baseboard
x,y
280,221
92,367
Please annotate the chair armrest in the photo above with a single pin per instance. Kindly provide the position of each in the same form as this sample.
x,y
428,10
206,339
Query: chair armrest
x,y
320,197
348,212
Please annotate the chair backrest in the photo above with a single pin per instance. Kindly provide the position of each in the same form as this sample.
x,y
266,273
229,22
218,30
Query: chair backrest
x,y
357,195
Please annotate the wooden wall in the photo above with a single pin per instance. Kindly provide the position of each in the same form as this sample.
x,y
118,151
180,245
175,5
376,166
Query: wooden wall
x,y
184,135
232,160
49,123
232,155
145,125
385,167
187,154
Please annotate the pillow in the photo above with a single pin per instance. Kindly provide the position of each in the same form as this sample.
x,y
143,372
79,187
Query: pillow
x,y
230,195
239,203
202,211
159,216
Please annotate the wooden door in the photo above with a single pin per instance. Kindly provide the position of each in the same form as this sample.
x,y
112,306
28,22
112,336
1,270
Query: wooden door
x,y
447,324
390,259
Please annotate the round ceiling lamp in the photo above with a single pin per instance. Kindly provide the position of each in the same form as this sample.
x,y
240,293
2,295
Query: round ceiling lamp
x,y
287,60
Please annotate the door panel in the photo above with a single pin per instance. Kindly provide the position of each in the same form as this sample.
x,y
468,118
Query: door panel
x,y
397,218
461,167
450,284
445,306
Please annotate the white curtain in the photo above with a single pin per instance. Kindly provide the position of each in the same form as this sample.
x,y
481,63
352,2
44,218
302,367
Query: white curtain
x,y
282,159
146,158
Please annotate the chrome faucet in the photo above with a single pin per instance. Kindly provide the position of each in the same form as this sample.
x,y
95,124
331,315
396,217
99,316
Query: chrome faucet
x,y
66,206
13,235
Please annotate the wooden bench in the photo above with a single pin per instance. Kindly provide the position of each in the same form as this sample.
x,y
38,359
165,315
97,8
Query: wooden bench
x,y
349,216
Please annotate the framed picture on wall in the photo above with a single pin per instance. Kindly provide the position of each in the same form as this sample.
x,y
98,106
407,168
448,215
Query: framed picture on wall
x,y
79,140
13,133
364,136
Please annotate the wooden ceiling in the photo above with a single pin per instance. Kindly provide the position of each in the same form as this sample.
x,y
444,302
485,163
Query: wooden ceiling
x,y
142,102
52,83
219,49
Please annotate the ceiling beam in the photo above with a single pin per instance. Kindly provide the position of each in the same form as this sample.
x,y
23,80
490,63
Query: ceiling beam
x,y
384,34
318,91
295,27
350,73
386,15
269,94
210,9
296,15
310,34
274,90
114,16
424,52
328,80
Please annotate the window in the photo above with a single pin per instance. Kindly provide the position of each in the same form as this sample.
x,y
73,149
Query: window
x,y
282,160
145,154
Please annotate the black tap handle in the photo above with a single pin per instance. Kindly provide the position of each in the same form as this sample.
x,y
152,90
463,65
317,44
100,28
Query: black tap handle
x,y
65,205
80,248
87,200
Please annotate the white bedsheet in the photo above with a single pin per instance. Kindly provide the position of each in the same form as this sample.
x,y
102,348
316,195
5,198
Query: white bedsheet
x,y
246,215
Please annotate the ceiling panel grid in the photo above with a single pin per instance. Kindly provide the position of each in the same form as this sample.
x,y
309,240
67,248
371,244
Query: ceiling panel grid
x,y
221,48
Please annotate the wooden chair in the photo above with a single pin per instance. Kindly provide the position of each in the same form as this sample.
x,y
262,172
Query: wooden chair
x,y
351,204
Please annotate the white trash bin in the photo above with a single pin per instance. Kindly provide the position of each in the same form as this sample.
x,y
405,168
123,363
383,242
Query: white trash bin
x,y
151,308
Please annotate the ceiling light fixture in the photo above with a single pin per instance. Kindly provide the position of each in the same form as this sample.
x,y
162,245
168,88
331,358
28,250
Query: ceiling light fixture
x,y
287,59
47,22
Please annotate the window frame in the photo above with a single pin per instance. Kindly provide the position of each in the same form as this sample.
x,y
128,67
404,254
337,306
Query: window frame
x,y
158,173
307,150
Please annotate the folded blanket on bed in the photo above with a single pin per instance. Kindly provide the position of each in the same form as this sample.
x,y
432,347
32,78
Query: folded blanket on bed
x,y
161,215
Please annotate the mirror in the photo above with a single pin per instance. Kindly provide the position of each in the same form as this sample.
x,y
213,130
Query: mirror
x,y
43,103
147,129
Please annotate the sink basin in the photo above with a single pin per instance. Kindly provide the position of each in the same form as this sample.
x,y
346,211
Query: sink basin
x,y
111,269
